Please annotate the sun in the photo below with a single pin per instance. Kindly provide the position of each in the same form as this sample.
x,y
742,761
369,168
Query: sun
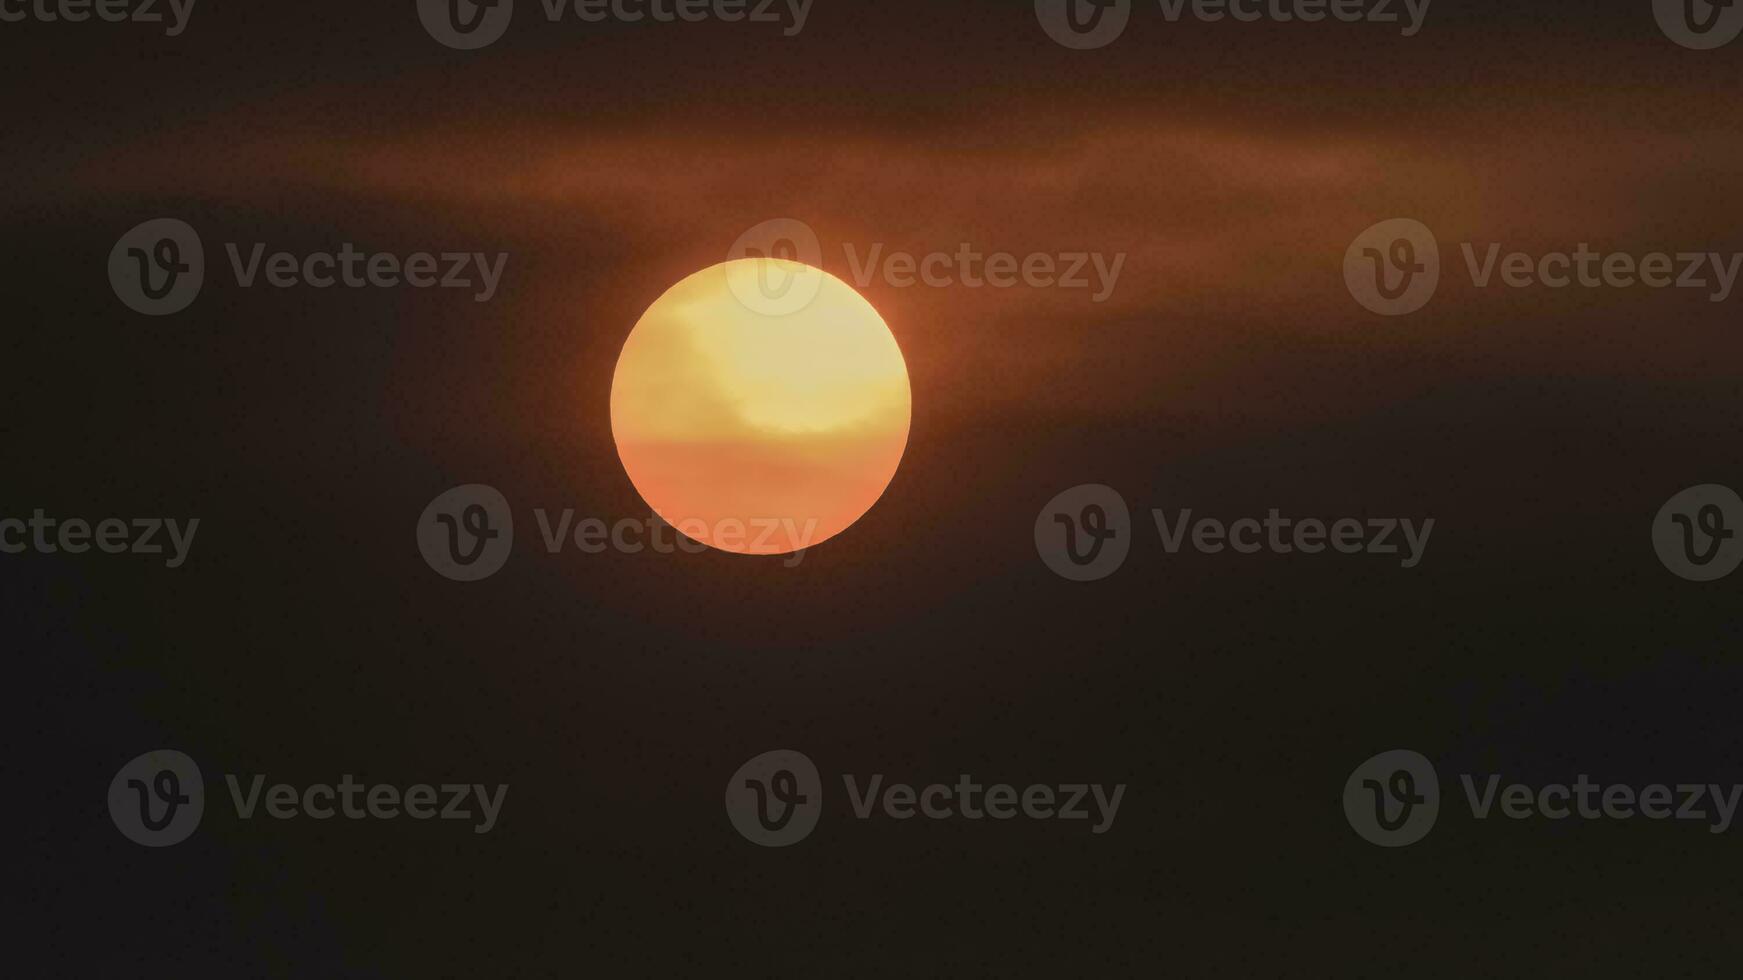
x,y
761,406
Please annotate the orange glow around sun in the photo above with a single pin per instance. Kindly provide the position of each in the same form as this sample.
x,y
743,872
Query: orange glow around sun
x,y
760,406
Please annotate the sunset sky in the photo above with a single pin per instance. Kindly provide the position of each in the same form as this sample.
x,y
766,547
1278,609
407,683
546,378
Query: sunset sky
x,y
1228,371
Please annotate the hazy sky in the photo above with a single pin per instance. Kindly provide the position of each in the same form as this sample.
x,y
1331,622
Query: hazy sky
x,y
1227,370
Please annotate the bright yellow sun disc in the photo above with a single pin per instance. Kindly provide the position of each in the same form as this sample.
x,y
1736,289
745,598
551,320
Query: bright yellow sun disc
x,y
760,406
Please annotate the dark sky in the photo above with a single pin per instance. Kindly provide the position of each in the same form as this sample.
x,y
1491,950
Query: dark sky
x,y
1231,372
